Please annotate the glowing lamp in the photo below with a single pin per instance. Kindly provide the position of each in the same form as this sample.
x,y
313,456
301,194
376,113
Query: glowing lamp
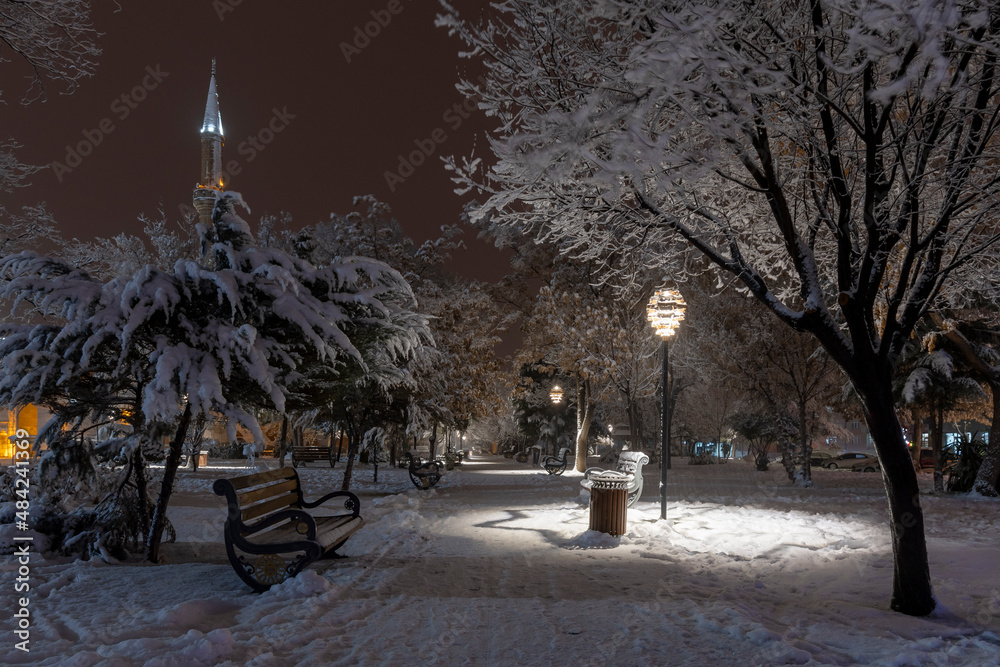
x,y
665,311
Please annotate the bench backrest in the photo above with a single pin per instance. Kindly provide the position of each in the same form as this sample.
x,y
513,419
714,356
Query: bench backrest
x,y
253,498
631,462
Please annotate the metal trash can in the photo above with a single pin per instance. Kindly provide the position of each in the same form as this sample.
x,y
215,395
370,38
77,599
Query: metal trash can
x,y
609,503
536,454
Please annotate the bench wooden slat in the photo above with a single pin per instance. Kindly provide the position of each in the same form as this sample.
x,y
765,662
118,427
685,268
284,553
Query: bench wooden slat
x,y
261,478
248,497
328,530
260,509
337,533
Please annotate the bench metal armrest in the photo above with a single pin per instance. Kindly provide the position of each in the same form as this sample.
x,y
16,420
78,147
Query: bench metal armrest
x,y
351,503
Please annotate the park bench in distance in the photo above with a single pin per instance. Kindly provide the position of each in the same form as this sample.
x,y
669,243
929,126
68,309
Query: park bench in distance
x,y
269,534
556,465
629,463
423,474
306,453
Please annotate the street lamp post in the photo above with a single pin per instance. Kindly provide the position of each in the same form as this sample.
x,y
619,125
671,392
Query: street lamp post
x,y
665,312
556,396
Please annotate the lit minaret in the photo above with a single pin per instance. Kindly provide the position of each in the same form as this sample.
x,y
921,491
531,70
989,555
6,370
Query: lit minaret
x,y
211,156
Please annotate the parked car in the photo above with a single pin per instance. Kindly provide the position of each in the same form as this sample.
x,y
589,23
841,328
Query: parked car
x,y
819,459
867,464
847,460
927,457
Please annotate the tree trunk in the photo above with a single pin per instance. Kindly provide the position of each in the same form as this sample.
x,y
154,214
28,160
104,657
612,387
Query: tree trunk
x,y
196,443
432,442
673,390
911,580
918,436
584,415
353,444
937,445
394,448
786,449
141,487
169,473
138,463
283,441
636,439
989,470
804,476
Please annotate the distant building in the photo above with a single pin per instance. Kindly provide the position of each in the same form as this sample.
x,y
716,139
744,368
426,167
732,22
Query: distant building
x,y
29,418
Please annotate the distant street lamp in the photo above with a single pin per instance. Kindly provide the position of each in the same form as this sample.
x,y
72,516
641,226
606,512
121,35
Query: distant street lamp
x,y
556,396
665,312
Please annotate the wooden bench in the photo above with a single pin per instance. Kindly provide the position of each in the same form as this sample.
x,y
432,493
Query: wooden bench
x,y
629,464
556,465
269,534
306,453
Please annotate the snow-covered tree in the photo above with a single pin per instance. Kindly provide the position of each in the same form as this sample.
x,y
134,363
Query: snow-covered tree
x,y
761,428
53,41
157,349
836,157
780,368
457,380
161,244
542,421
975,340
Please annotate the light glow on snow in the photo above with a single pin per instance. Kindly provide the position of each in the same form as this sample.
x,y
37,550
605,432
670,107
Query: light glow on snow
x,y
496,566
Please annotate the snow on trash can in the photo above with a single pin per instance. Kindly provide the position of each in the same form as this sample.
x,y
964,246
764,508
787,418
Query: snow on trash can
x,y
609,502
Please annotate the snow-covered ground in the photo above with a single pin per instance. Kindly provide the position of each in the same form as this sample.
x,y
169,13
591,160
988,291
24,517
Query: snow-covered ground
x,y
496,566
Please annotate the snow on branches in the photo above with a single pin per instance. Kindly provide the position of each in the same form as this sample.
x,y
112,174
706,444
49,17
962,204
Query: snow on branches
x,y
219,338
837,157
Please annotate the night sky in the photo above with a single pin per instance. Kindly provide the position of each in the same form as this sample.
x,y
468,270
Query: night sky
x,y
308,129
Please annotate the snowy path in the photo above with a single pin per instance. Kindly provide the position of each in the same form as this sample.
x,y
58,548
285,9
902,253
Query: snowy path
x,y
496,567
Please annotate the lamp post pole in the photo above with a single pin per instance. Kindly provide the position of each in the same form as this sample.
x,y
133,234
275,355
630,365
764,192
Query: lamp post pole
x,y
664,428
665,312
